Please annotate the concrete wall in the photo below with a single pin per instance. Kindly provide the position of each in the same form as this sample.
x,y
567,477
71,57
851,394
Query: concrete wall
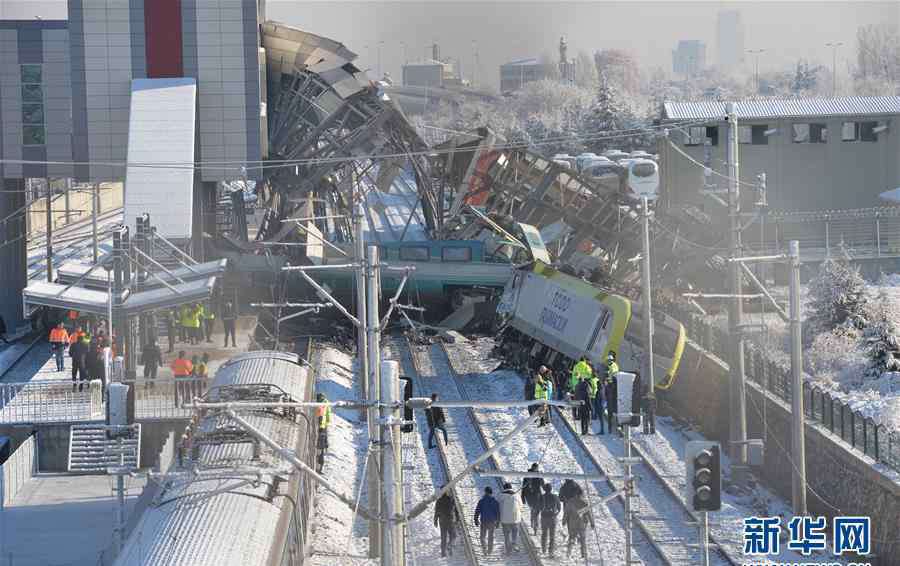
x,y
848,480
800,176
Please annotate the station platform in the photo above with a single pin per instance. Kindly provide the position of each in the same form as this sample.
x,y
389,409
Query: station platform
x,y
63,520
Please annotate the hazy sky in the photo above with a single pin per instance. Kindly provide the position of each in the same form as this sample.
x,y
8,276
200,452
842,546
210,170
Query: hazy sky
x,y
506,30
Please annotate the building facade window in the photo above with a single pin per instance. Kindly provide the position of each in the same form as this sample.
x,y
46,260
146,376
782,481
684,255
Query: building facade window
x,y
753,135
34,130
859,131
810,133
697,135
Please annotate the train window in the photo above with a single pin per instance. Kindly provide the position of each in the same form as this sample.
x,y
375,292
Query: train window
x,y
414,253
456,254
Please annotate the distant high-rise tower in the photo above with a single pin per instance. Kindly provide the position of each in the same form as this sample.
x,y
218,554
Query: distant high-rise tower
x,y
566,67
729,39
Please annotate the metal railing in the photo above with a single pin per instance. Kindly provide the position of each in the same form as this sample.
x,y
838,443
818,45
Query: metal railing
x,y
823,406
165,398
50,400
17,470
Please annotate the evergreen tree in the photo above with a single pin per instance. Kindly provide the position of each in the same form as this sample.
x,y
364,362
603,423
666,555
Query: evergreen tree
x,y
837,297
882,345
609,113
806,78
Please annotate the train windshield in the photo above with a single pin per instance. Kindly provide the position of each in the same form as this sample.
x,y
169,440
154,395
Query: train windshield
x,y
643,170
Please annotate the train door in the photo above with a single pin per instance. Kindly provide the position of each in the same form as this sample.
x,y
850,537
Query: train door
x,y
407,395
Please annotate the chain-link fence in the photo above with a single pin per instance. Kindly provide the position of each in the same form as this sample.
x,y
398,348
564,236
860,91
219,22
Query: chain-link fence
x,y
821,405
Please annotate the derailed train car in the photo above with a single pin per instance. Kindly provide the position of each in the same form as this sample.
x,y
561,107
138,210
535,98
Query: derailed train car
x,y
553,319
229,500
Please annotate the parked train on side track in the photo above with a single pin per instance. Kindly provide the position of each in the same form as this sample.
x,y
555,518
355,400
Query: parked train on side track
x,y
229,499
551,318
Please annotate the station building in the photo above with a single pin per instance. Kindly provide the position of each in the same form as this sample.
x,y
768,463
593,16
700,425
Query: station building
x,y
67,96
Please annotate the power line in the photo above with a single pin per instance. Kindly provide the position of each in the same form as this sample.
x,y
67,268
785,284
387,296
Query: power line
x,y
281,163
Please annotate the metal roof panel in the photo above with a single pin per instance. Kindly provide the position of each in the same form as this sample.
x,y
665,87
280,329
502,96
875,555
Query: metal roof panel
x,y
769,108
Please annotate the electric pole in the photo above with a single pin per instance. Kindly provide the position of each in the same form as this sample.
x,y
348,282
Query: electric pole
x,y
49,219
798,446
95,205
373,331
646,299
738,405
834,47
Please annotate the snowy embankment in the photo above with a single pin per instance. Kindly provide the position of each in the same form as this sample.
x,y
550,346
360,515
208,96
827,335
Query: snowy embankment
x,y
838,361
338,536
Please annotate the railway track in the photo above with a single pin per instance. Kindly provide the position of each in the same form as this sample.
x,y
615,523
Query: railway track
x,y
662,516
469,442
75,243
19,357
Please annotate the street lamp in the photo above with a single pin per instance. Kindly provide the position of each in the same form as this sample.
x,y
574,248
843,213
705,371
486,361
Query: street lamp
x,y
755,53
834,47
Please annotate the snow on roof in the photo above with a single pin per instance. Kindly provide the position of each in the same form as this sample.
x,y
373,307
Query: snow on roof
x,y
785,108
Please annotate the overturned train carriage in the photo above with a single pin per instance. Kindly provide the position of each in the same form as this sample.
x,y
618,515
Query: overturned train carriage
x,y
553,319
229,500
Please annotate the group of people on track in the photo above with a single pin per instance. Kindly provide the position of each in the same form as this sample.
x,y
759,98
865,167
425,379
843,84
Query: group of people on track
x,y
598,397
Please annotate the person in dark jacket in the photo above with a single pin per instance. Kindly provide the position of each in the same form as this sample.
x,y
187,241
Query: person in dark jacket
x,y
78,351
637,401
529,391
487,515
170,316
569,490
576,517
531,495
550,508
436,421
650,413
583,394
610,392
229,318
446,516
151,359
95,358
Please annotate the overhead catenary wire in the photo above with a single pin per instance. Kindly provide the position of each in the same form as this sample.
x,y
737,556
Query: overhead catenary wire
x,y
283,163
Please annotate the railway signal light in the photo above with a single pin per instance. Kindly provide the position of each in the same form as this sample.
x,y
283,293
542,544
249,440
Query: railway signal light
x,y
703,466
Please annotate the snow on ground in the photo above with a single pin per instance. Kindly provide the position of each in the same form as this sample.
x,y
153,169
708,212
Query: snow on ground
x,y
337,536
545,446
421,481
665,450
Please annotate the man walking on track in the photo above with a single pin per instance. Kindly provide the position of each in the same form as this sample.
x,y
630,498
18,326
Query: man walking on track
x,y
229,316
550,508
446,516
59,342
532,490
487,514
509,518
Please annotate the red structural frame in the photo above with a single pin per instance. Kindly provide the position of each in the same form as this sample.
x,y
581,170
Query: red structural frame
x,y
162,26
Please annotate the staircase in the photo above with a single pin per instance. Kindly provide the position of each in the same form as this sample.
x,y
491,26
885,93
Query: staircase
x,y
91,449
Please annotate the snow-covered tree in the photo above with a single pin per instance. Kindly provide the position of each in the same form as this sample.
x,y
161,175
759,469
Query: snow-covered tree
x,y
836,297
882,344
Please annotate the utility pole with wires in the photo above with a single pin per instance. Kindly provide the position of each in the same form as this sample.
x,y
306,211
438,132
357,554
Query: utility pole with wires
x,y
738,404
49,220
95,206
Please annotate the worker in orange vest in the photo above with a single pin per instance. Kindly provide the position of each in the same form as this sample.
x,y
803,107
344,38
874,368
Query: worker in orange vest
x,y
73,318
59,342
182,368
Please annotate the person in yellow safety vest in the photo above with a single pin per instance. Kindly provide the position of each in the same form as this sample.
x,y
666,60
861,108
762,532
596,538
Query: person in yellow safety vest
x,y
193,324
323,418
184,323
580,371
542,393
612,368
208,317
